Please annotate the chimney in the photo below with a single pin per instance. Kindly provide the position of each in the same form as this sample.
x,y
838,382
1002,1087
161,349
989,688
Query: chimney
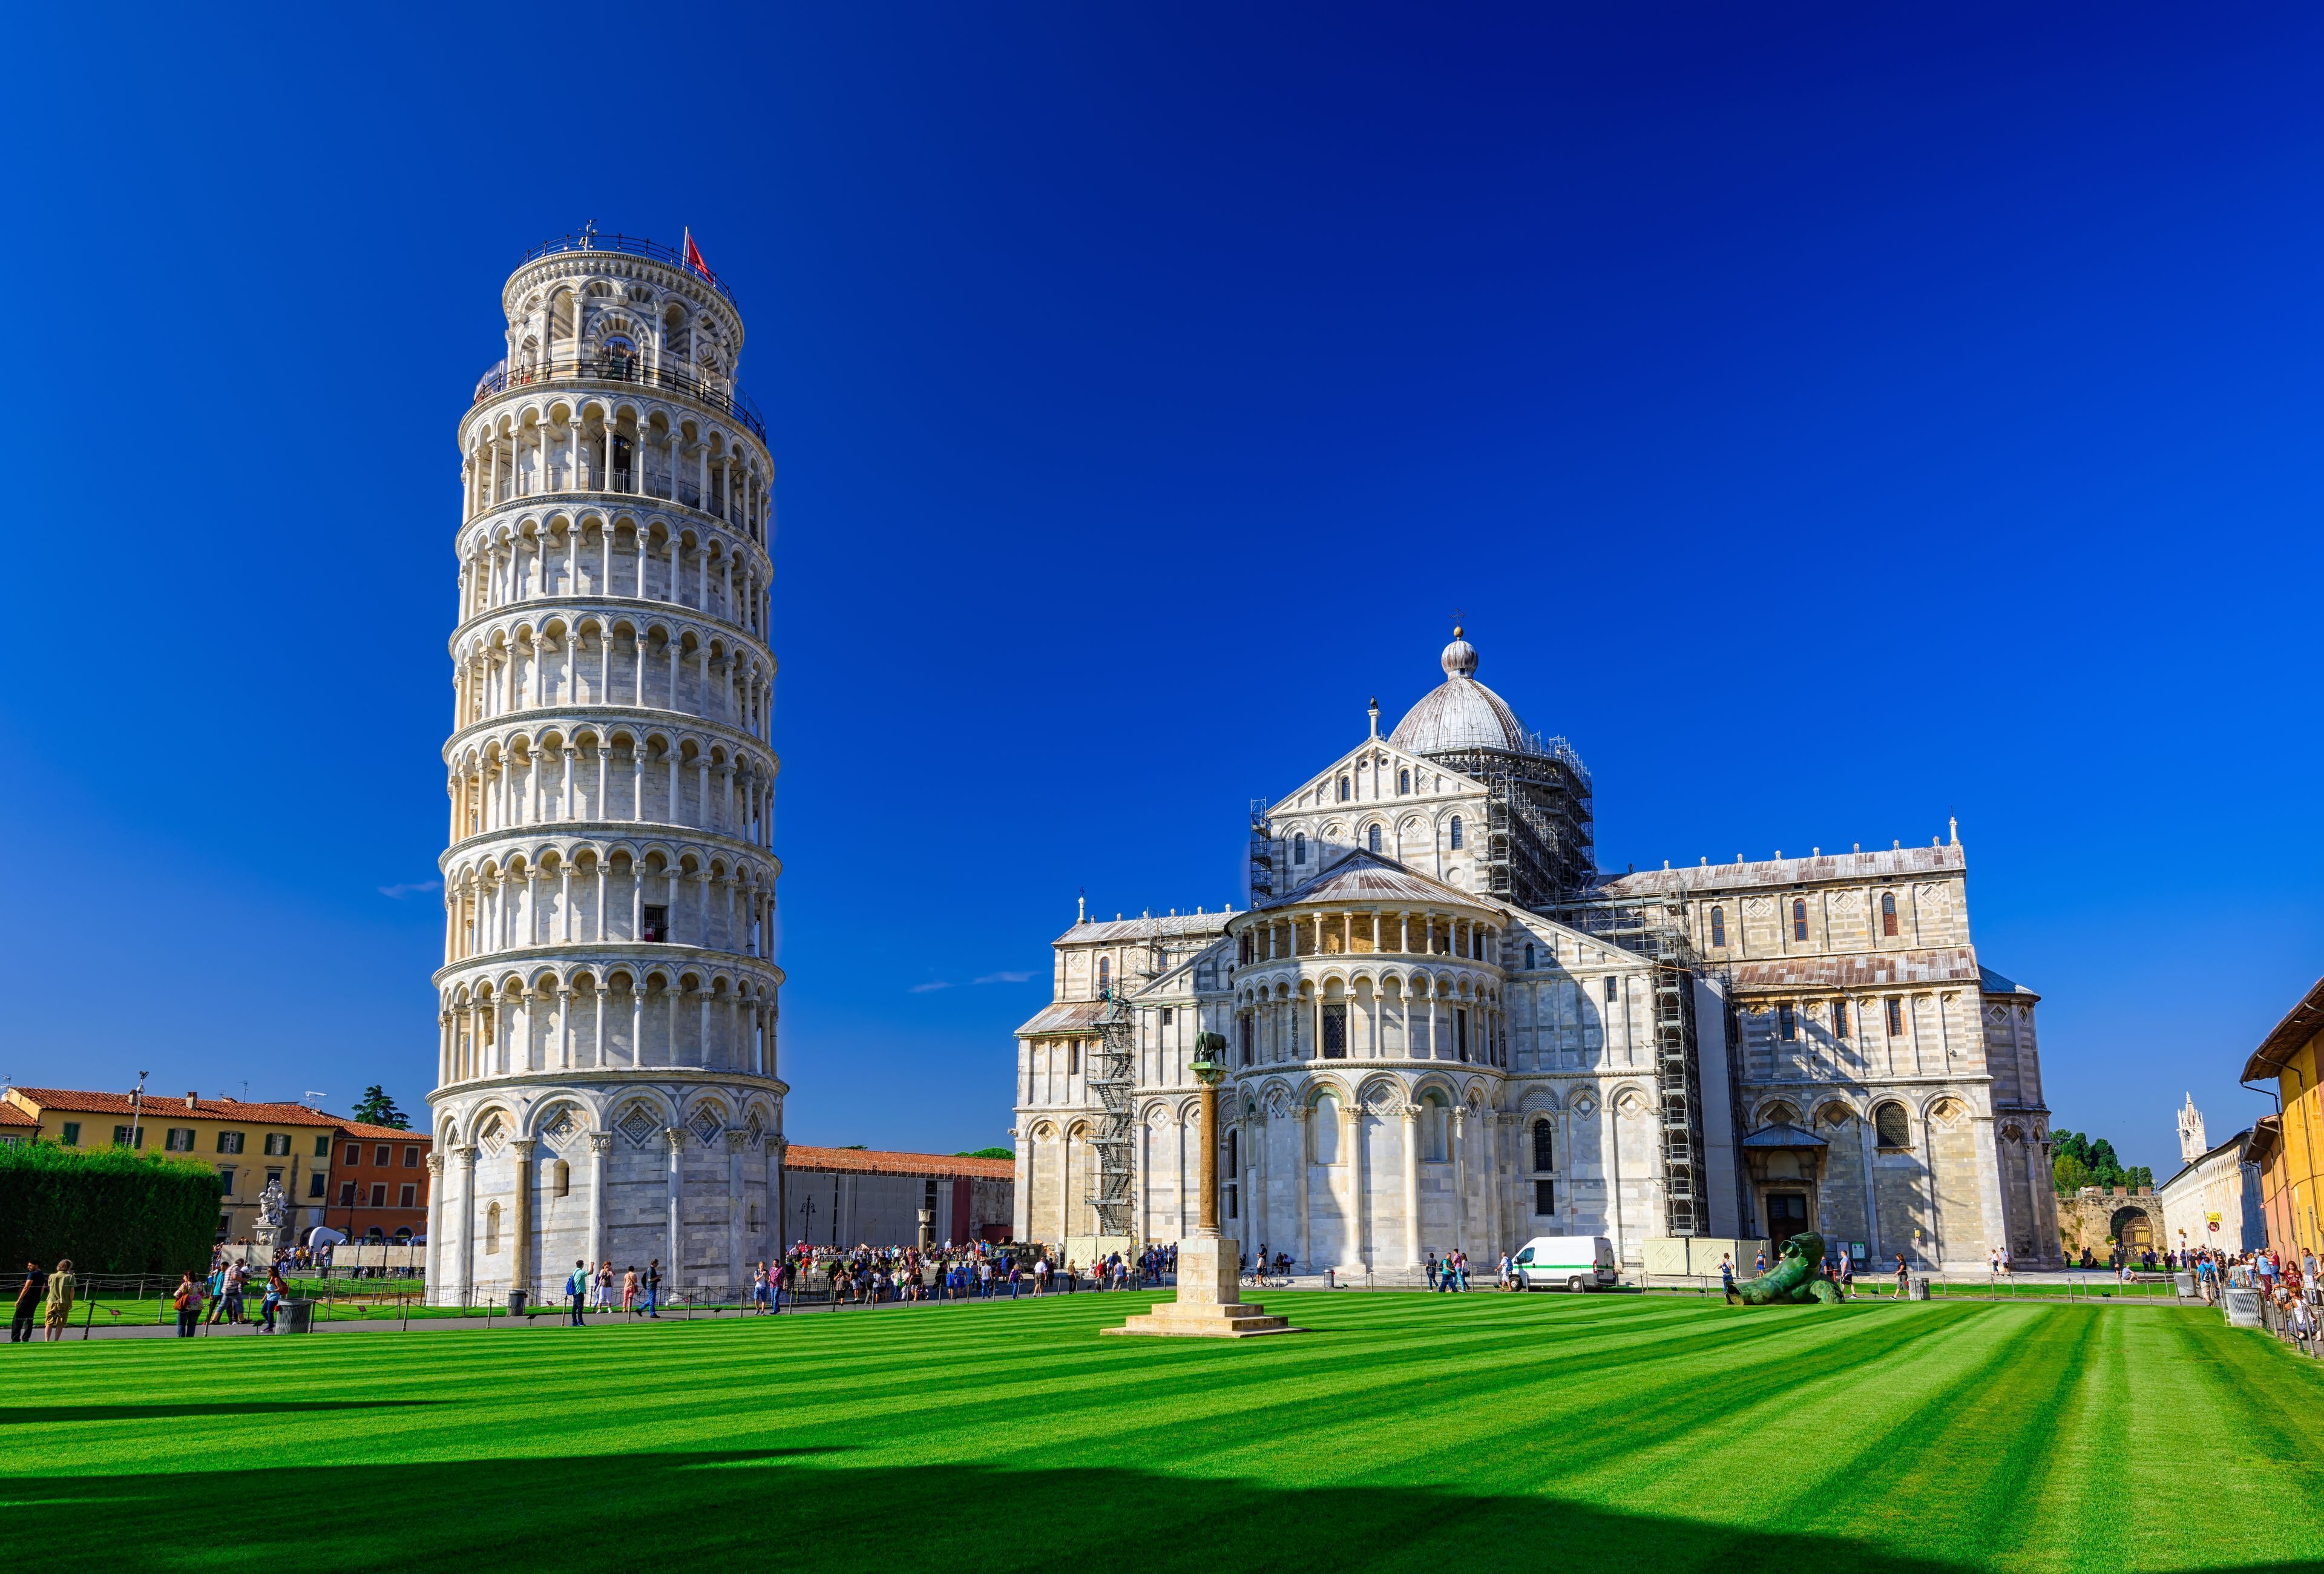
x,y
191,1096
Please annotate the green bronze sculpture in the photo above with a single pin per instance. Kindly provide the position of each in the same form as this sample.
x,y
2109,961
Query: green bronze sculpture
x,y
1796,1279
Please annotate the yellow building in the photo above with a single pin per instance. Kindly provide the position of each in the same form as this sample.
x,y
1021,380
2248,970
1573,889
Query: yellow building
x,y
2289,1147
250,1144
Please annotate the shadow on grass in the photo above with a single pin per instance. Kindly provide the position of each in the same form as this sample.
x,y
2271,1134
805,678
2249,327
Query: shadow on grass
x,y
24,1414
740,1508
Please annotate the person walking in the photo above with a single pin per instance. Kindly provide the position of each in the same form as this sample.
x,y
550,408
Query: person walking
x,y
1759,1261
1904,1277
576,1287
653,1287
188,1304
1041,1278
28,1304
1431,1266
1727,1277
630,1290
269,1304
58,1309
604,1298
1847,1274
217,1292
236,1276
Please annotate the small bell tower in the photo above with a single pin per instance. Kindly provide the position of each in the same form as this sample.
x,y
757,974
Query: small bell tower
x,y
2191,1145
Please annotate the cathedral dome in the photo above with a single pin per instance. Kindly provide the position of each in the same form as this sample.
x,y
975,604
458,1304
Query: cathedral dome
x,y
1461,713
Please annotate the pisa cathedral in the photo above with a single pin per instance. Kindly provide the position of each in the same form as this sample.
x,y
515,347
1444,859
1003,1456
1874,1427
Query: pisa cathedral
x,y
1446,1029
606,1079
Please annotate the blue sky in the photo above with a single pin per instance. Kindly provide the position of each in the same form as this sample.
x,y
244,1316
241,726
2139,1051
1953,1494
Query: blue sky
x,y
1830,422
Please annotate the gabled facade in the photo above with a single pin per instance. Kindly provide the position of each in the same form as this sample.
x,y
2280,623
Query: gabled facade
x,y
1446,1031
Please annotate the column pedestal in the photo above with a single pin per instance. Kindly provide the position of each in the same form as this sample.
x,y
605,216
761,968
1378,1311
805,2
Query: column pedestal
x,y
1210,1303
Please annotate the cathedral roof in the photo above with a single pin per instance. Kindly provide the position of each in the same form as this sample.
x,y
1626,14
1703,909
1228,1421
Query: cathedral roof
x,y
1114,931
1860,970
1885,863
1992,982
1461,713
1066,1016
1369,877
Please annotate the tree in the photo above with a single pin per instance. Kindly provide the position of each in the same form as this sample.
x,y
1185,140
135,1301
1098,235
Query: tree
x,y
2104,1163
2070,1174
987,1154
376,1108
2070,1145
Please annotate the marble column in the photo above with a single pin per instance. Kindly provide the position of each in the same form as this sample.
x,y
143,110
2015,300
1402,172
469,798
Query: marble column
x,y
674,1137
1411,1186
520,1217
600,1144
1301,1118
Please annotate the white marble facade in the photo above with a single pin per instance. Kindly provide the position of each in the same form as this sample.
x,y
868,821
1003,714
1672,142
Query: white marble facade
x,y
607,1081
1419,1065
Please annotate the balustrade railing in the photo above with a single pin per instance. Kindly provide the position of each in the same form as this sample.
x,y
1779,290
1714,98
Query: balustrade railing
x,y
620,368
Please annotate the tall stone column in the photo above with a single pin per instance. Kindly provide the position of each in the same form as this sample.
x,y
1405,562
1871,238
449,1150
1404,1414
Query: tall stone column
x,y
1300,1119
435,1269
1209,1302
1460,1181
600,1144
520,1217
1255,1160
1411,1186
675,1138
467,1158
1359,1205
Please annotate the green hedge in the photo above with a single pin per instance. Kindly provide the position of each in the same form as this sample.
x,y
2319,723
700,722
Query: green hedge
x,y
109,1209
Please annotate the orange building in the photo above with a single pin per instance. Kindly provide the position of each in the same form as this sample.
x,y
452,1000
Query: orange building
x,y
378,1183
2291,1155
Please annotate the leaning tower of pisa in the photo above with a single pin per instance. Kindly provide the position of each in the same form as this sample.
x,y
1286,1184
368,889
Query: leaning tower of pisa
x,y
607,1082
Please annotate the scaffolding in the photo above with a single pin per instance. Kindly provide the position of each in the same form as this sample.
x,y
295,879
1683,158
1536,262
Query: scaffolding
x,y
1262,854
1539,846
1656,928
1113,1072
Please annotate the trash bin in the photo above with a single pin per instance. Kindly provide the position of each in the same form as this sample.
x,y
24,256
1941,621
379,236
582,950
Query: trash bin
x,y
2243,1308
2185,1286
298,1316
516,1303
1920,1287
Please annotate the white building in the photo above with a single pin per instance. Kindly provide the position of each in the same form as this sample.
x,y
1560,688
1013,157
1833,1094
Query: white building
x,y
2214,1199
607,1083
1446,1028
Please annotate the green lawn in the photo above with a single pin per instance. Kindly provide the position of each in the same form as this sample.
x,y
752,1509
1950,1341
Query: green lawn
x,y
1408,1431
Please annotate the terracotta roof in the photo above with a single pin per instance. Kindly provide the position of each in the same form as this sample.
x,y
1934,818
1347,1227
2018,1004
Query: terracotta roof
x,y
1872,970
78,1101
1065,1016
385,1134
1888,863
11,1115
2301,1022
873,1162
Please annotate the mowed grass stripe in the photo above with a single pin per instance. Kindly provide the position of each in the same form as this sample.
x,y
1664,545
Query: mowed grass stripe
x,y
1409,1429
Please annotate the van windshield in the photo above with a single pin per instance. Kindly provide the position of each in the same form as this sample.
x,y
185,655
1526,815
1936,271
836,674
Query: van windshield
x,y
1526,1256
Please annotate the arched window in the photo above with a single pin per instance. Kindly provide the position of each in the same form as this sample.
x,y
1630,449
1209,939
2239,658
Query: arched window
x,y
1890,1128
1372,838
1888,913
1104,976
1242,946
1895,1017
1403,781
1528,956
1299,848
1717,926
1840,1019
1235,1153
1787,1023
1544,1146
1456,831
561,1179
491,1229
1613,988
1245,1037
1799,919
1344,790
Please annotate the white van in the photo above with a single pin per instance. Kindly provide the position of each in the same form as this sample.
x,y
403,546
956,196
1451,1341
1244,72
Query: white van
x,y
1578,1263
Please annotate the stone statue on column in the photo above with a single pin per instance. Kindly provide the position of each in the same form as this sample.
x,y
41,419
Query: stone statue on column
x,y
1209,1303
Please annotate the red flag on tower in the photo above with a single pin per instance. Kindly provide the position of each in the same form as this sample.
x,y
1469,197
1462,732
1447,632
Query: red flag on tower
x,y
694,257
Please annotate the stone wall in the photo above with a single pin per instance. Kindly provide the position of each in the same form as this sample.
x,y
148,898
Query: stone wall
x,y
2095,1214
